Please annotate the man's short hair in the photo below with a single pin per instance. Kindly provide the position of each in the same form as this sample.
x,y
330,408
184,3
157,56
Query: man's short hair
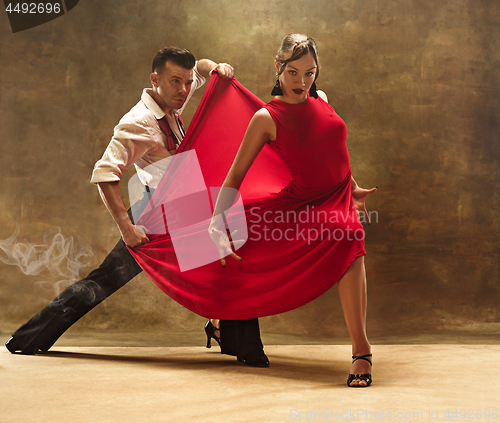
x,y
180,56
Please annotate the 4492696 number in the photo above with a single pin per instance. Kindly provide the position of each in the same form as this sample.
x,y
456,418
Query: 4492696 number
x,y
471,414
33,8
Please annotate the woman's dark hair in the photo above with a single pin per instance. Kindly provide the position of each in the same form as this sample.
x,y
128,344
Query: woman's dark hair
x,y
180,56
299,45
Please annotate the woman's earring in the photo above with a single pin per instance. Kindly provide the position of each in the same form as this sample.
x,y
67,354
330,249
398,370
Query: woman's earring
x,y
277,88
312,90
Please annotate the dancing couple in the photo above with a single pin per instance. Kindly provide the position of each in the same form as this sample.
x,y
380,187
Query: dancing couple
x,y
293,157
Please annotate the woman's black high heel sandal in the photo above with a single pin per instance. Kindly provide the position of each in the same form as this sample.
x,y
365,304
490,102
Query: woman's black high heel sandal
x,y
210,331
366,377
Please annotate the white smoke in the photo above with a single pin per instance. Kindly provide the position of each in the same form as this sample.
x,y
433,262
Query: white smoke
x,y
59,260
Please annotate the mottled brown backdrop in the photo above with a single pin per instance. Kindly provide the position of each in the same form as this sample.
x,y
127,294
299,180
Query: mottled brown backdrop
x,y
416,81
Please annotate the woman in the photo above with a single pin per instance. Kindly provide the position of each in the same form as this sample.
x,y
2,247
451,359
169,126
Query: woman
x,y
310,138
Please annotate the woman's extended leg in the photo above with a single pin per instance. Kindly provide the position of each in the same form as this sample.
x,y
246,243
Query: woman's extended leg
x,y
352,291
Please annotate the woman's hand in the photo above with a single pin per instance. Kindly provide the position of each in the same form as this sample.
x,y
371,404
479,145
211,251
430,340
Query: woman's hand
x,y
358,196
260,130
224,243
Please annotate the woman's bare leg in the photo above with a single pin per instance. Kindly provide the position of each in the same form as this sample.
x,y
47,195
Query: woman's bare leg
x,y
352,291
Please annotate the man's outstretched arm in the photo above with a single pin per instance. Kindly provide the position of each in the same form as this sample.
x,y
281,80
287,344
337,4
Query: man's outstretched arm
x,y
112,197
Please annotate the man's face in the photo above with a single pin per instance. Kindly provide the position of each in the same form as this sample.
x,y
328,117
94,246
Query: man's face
x,y
172,85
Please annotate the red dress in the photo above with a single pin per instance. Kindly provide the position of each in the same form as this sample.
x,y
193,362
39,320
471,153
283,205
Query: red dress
x,y
303,231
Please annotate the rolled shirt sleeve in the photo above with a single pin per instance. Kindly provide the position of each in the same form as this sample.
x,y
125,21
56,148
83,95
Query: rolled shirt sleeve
x,y
130,142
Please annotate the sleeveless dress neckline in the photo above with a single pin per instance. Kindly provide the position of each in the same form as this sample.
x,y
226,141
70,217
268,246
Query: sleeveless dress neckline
x,y
285,102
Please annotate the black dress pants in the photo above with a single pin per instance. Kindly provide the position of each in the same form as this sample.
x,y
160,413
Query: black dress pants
x,y
43,329
241,338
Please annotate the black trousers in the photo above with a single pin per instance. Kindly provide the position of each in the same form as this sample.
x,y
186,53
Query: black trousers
x,y
241,338
45,328
118,268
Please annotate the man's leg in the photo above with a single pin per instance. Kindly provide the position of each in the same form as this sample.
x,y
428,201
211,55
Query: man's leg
x,y
43,330
241,338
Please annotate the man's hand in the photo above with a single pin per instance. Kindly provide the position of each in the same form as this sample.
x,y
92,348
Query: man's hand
x,y
135,236
207,66
224,70
112,197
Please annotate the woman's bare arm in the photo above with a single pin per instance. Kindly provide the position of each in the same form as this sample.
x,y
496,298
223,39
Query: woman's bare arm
x,y
260,130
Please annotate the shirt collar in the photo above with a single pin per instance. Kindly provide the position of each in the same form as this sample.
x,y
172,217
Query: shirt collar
x,y
152,105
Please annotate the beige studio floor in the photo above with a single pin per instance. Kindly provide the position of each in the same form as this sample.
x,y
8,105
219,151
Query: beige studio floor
x,y
193,384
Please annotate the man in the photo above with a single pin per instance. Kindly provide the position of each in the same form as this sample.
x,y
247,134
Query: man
x,y
151,131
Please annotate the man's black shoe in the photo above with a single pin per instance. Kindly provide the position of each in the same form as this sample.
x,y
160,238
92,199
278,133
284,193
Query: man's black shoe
x,y
12,346
257,361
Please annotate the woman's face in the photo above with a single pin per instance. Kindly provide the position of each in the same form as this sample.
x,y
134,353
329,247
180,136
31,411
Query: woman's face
x,y
297,78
